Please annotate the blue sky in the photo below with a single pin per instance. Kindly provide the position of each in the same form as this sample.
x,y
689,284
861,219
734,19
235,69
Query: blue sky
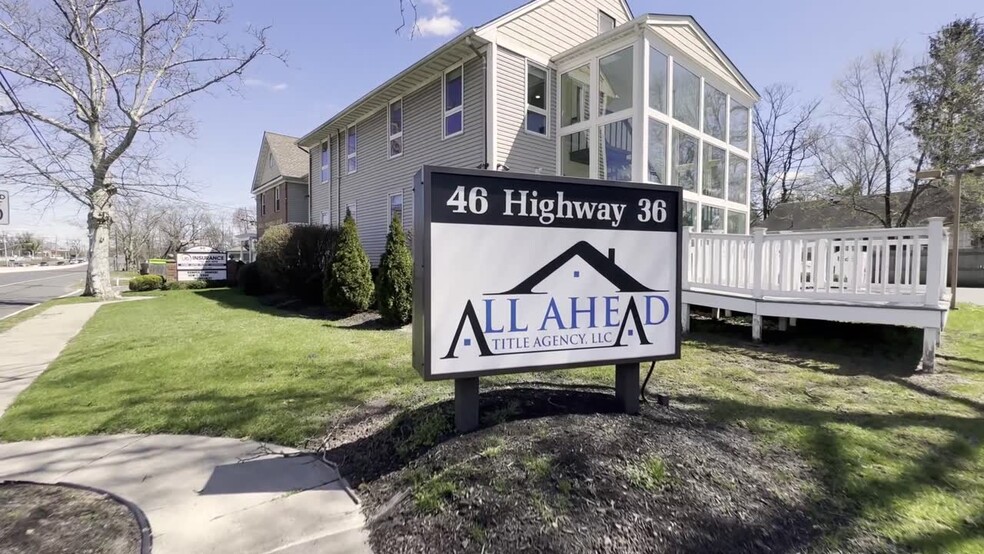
x,y
339,50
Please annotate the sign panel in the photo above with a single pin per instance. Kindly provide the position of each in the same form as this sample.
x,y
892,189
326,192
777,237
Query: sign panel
x,y
201,265
4,208
525,272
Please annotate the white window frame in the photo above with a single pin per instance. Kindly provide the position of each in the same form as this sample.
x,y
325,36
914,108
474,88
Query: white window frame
x,y
326,148
603,13
263,203
389,128
326,218
529,107
354,155
276,199
389,207
446,112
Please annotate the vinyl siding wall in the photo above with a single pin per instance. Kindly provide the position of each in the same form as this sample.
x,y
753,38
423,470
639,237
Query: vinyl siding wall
x,y
297,203
559,25
378,176
521,151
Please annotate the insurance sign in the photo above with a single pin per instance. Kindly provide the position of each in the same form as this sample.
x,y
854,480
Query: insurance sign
x,y
201,264
525,272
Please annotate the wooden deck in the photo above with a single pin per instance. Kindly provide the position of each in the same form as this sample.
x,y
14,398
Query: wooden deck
x,y
881,276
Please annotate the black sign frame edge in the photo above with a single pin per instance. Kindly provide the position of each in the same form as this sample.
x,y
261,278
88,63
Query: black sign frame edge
x,y
422,281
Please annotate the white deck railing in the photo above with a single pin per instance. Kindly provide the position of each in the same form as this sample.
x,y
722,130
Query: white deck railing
x,y
905,265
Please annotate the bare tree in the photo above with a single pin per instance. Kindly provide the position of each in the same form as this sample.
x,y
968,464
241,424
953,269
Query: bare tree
x,y
89,83
847,162
182,225
784,135
244,220
874,103
134,224
28,244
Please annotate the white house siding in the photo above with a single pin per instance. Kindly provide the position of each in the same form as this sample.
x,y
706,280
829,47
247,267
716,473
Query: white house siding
x,y
322,194
297,203
378,176
685,39
521,151
559,25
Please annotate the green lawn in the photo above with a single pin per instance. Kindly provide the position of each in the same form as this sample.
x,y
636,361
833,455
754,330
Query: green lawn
x,y
898,455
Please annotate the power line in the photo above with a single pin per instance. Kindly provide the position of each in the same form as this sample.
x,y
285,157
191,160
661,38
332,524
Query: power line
x,y
8,89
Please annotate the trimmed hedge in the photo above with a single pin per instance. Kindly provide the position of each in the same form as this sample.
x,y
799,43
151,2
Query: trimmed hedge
x,y
251,280
348,283
143,283
197,284
293,258
394,288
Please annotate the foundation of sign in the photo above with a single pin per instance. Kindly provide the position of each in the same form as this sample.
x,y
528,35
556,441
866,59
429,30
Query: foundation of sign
x,y
627,387
466,404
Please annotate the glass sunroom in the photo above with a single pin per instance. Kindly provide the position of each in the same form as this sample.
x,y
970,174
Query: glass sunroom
x,y
656,101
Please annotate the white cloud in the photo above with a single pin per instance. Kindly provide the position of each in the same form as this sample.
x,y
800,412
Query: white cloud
x,y
260,83
438,24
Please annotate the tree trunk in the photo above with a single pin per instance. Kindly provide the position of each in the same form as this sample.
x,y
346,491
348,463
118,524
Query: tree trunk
x,y
97,276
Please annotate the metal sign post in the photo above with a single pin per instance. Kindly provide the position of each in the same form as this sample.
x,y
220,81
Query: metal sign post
x,y
518,273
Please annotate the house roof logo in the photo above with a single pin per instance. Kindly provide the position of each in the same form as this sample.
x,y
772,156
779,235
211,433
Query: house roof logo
x,y
604,265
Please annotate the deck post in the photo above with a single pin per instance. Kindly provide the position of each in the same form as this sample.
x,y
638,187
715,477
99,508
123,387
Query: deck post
x,y
685,258
931,337
756,328
783,323
758,239
685,318
935,259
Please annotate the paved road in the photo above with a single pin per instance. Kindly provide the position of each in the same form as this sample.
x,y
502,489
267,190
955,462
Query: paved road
x,y
21,289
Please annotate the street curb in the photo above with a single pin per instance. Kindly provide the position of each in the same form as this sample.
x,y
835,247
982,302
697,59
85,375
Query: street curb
x,y
146,536
19,311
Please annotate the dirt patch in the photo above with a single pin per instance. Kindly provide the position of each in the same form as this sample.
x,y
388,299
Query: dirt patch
x,y
558,470
57,519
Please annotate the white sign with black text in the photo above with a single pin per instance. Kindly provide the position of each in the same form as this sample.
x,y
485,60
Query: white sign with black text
x,y
201,264
525,272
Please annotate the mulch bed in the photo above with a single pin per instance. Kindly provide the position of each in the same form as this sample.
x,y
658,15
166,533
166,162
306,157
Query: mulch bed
x,y
56,519
558,470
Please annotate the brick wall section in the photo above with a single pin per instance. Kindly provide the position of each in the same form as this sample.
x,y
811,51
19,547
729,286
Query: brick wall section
x,y
272,216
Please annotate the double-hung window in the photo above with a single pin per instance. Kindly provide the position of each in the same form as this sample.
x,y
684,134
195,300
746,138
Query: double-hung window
x,y
396,128
325,162
454,96
263,203
536,99
276,199
351,149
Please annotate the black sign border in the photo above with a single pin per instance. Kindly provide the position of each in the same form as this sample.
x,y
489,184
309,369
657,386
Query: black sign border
x,y
422,278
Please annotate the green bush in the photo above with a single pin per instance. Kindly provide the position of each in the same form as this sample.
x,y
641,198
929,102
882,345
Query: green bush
x,y
143,283
252,281
197,284
293,258
348,283
394,287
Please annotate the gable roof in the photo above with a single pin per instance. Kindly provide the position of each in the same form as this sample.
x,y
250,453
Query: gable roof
x,y
289,159
604,265
816,215
527,8
653,19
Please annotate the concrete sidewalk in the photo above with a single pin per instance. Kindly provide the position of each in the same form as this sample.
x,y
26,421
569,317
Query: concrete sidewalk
x,y
970,295
30,346
204,494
